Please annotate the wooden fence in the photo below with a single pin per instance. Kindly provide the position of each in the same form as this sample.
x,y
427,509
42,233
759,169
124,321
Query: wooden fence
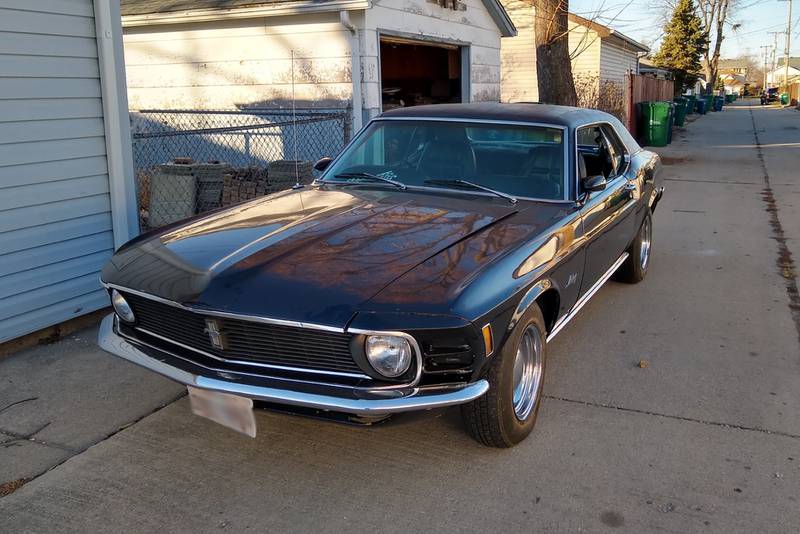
x,y
794,94
642,89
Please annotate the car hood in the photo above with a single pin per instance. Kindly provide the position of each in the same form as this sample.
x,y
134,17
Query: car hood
x,y
312,256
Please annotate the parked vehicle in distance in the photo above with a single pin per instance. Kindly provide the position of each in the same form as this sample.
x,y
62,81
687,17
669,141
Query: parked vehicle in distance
x,y
772,95
429,266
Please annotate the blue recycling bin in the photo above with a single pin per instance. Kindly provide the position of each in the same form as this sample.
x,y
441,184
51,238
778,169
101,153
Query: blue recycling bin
x,y
700,105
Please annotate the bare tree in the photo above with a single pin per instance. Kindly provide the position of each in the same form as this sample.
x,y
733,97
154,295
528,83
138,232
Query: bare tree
x,y
716,16
553,66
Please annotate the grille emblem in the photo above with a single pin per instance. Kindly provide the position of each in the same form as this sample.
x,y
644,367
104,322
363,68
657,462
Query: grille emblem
x,y
215,335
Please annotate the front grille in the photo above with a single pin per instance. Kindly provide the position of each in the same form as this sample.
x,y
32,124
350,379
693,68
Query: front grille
x,y
248,341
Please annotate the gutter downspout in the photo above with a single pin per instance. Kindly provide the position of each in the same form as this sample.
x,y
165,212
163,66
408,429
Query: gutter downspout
x,y
355,69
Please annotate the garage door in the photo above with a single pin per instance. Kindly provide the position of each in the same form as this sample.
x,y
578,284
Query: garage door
x,y
415,73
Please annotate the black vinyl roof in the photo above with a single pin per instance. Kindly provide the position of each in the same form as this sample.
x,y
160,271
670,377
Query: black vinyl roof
x,y
541,113
565,116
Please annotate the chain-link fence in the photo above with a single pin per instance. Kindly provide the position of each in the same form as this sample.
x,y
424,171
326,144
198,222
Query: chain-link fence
x,y
192,161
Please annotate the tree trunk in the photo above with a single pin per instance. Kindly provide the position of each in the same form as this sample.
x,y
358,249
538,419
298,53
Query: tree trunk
x,y
553,67
717,14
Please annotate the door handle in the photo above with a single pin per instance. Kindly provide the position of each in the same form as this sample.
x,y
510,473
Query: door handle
x,y
630,186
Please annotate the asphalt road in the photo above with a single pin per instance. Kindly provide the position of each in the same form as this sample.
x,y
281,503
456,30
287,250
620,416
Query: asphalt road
x,y
705,438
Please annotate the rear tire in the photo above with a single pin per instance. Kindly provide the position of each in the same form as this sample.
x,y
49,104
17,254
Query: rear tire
x,y
506,414
634,268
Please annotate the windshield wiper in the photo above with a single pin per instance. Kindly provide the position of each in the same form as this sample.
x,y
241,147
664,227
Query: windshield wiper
x,y
464,183
370,176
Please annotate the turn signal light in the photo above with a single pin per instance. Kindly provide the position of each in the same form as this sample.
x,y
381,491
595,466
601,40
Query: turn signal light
x,y
488,342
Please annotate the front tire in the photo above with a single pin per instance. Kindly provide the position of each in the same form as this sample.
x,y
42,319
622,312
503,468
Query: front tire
x,y
506,414
634,269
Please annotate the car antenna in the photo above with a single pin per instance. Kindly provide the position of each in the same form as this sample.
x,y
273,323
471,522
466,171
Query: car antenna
x,y
294,130
297,184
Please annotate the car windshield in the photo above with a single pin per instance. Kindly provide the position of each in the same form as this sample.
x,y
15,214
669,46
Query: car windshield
x,y
521,161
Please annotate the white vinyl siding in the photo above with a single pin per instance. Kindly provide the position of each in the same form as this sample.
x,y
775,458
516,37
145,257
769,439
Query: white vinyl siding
x,y
55,210
584,50
519,82
616,61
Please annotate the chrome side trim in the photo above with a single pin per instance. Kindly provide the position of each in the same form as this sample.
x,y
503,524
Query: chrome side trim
x,y
416,399
251,363
414,347
216,313
561,323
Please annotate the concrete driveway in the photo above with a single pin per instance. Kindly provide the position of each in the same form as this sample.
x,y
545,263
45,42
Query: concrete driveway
x,y
705,438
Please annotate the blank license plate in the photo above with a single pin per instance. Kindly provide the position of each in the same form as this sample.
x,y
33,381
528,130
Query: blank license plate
x,y
228,410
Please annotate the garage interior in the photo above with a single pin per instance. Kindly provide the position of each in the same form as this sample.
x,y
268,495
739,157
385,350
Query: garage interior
x,y
414,73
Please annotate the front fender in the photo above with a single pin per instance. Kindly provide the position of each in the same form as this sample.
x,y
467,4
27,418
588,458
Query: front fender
x,y
529,299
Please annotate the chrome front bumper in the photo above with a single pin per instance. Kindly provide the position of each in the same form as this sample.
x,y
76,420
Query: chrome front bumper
x,y
369,402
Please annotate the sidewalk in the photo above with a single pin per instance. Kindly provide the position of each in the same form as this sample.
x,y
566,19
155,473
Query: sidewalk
x,y
58,400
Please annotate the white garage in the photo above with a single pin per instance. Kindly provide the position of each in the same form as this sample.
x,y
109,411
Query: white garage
x,y
368,55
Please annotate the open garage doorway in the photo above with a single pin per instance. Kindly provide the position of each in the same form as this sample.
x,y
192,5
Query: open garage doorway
x,y
415,73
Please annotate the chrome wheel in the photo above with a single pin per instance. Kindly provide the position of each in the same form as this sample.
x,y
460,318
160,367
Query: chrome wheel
x,y
644,250
528,365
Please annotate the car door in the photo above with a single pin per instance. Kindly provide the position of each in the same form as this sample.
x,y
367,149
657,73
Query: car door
x,y
608,215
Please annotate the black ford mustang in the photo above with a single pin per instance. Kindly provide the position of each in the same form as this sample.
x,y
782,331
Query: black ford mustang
x,y
429,266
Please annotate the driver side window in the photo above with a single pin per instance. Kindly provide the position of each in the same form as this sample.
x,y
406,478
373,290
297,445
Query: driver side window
x,y
616,150
601,151
592,150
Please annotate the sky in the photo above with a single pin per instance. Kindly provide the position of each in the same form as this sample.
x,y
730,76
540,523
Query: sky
x,y
642,20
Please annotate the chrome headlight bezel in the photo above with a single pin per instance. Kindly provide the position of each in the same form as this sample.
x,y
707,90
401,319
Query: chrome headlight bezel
x,y
389,355
122,308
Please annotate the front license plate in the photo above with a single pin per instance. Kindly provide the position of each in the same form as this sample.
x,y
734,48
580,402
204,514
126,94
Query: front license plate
x,y
228,410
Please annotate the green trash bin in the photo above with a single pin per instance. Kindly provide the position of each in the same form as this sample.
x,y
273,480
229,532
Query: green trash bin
x,y
680,111
784,99
729,99
709,103
655,123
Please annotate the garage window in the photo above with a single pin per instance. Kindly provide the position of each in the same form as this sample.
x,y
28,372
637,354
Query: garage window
x,y
414,73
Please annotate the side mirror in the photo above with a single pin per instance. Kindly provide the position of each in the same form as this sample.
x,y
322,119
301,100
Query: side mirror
x,y
323,164
594,183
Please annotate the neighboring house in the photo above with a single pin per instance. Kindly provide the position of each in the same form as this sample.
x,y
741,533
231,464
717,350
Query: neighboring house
x,y
733,66
599,54
648,68
699,86
66,185
368,54
776,77
734,83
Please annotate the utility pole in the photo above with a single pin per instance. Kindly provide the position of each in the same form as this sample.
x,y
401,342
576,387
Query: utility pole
x,y
765,48
774,62
788,46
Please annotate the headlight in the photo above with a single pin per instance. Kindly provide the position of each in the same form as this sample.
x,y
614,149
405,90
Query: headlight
x,y
122,307
389,355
